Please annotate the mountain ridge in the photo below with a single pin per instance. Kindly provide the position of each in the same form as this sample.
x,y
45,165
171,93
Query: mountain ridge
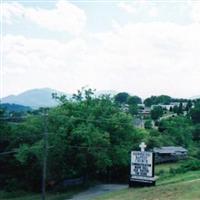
x,y
34,98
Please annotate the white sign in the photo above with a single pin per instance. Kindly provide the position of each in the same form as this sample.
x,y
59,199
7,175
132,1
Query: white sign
x,y
141,164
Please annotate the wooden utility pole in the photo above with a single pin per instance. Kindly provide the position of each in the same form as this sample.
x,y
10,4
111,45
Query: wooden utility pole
x,y
45,154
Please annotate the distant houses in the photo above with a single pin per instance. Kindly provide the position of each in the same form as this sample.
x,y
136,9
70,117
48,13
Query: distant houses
x,y
144,112
169,154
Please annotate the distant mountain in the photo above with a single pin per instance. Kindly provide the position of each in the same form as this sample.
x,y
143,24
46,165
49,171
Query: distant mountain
x,y
14,107
34,98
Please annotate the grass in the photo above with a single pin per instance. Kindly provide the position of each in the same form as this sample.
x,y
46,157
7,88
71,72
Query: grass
x,y
28,196
185,186
177,191
166,167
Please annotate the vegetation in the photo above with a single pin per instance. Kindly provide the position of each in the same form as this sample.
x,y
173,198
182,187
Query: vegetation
x,y
179,190
156,112
89,138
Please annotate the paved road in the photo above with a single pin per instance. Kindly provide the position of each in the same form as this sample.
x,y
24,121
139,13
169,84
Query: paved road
x,y
97,191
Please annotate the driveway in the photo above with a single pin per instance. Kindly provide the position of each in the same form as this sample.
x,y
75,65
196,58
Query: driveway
x,y
97,191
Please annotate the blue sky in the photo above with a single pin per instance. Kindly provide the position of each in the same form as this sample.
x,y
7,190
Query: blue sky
x,y
144,47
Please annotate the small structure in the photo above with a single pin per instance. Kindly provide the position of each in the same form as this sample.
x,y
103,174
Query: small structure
x,y
142,168
169,154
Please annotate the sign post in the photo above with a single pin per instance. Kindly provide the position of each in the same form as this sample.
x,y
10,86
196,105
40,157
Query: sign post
x,y
142,168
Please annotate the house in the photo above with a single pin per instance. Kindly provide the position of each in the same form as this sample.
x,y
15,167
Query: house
x,y
145,112
169,154
163,106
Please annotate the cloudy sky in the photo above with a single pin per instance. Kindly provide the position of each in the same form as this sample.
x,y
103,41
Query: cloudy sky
x,y
144,47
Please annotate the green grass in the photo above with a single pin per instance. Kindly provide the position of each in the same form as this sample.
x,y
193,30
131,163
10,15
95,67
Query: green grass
x,y
28,196
185,186
176,191
166,167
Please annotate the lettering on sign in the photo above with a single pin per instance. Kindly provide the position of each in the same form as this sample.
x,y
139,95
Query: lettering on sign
x,y
141,164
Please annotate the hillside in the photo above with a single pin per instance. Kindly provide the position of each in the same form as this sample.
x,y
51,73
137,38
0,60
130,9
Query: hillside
x,y
14,107
180,187
34,98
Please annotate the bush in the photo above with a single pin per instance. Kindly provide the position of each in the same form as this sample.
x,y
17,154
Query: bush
x,y
189,165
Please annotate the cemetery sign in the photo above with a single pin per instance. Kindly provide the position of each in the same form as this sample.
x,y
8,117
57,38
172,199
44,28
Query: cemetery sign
x,y
142,168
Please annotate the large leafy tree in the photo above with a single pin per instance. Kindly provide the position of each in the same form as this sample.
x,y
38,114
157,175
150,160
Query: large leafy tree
x,y
195,113
88,136
155,100
122,97
156,112
134,100
176,131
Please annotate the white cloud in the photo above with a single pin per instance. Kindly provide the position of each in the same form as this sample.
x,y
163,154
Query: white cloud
x,y
64,17
127,7
141,58
10,11
139,7
153,12
195,11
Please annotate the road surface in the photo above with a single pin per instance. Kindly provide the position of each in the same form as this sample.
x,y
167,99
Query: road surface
x,y
97,190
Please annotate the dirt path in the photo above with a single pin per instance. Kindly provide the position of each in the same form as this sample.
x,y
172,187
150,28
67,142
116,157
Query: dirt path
x,y
98,190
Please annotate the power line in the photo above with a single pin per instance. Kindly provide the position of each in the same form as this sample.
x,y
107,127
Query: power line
x,y
8,152
17,150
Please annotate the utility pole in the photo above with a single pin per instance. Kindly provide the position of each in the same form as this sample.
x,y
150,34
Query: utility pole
x,y
45,154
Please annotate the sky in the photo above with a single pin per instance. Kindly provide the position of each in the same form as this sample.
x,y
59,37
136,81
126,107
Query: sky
x,y
144,47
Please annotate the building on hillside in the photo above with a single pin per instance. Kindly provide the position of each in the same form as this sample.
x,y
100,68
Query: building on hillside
x,y
125,107
173,104
170,154
145,112
167,107
141,105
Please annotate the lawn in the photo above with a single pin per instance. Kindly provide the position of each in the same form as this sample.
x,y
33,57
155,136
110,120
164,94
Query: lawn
x,y
166,167
184,186
28,196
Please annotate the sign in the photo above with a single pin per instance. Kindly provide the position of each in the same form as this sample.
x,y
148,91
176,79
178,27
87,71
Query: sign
x,y
142,167
142,164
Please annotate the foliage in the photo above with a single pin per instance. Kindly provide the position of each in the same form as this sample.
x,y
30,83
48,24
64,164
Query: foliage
x,y
155,100
134,100
177,131
15,107
156,112
189,165
148,124
195,113
133,109
121,97
196,132
88,137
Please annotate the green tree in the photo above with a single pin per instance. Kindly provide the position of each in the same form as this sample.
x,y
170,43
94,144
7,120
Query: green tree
x,y
133,109
196,132
156,112
176,131
121,97
148,124
155,100
188,106
134,100
195,113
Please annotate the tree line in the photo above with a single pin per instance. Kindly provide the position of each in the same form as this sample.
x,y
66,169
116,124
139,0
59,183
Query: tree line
x,y
88,136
